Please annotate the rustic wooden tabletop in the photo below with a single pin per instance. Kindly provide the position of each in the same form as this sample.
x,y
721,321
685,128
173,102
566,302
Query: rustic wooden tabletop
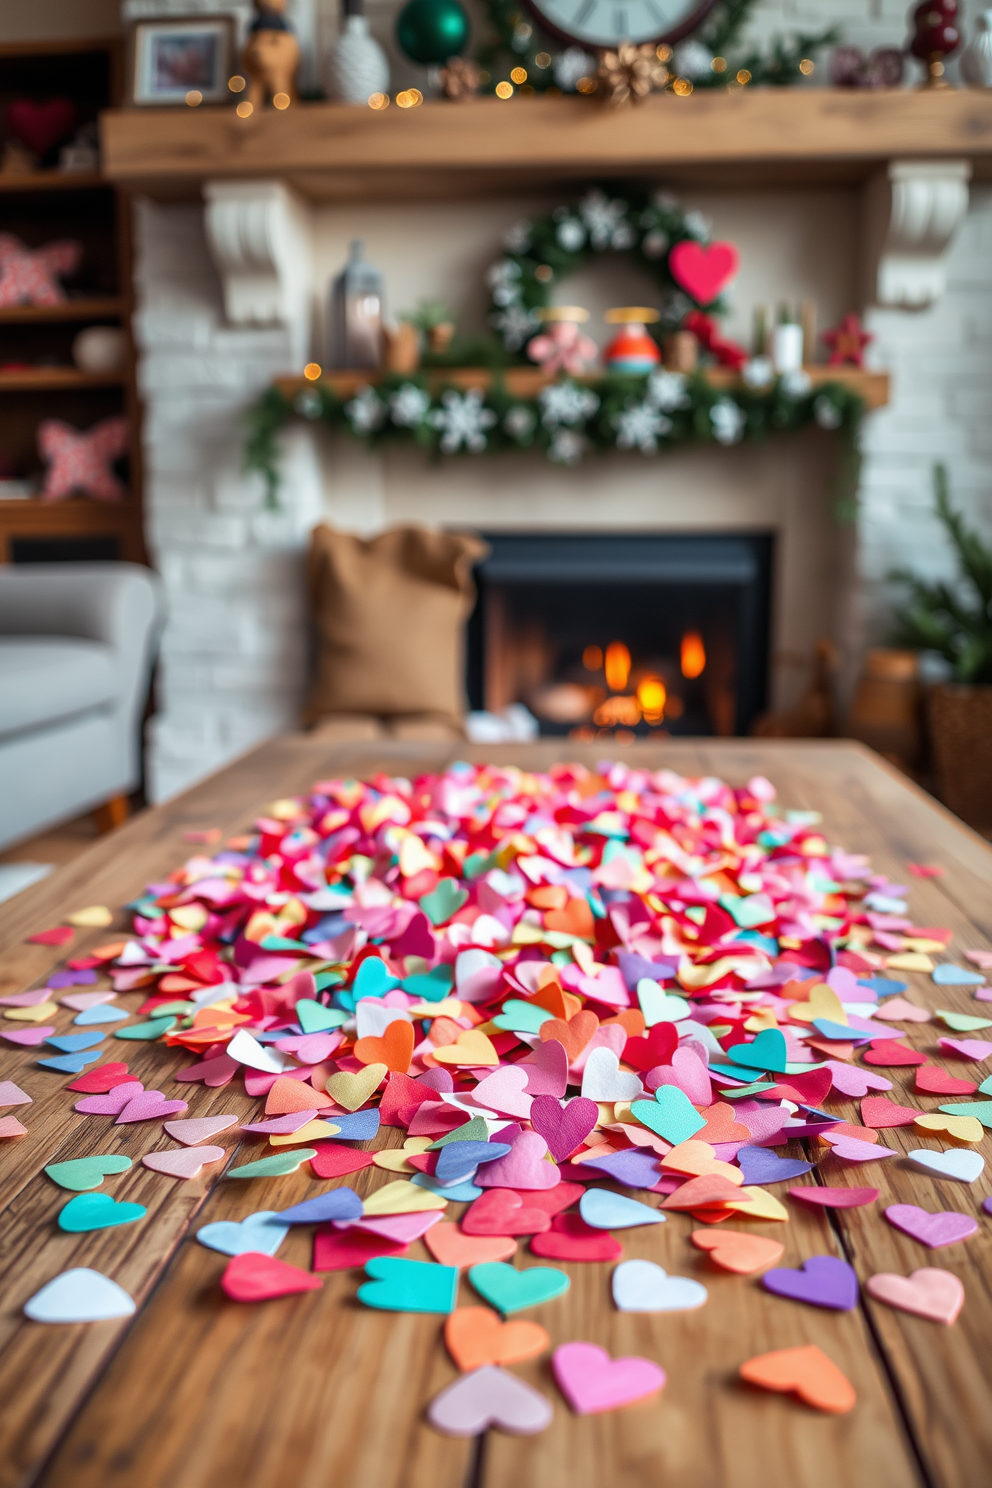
x,y
314,1390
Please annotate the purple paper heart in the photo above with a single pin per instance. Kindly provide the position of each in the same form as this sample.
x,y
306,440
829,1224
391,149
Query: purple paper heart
x,y
855,1081
764,1122
824,1281
220,1070
29,1038
149,1105
113,1103
633,1169
943,1228
563,1128
759,1165
987,1206
489,1396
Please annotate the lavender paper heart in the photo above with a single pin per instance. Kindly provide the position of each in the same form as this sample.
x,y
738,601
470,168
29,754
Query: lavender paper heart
x,y
824,1281
943,1228
149,1105
487,1397
113,1102
759,1165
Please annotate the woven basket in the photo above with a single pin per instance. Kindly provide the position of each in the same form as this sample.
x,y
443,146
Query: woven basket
x,y
961,739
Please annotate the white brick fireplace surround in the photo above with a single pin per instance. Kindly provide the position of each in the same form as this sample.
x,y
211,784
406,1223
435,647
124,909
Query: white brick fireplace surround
x,y
234,654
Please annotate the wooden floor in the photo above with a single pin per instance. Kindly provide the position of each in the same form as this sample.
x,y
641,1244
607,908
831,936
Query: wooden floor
x,y
317,1392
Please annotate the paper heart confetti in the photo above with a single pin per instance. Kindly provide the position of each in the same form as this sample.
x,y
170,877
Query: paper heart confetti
x,y
878,1112
604,1210
13,1095
113,1103
760,1165
563,1129
732,1250
805,1371
510,1290
97,1211
854,1081
856,1149
398,1285
149,1105
187,1164
452,1247
592,1382
932,1080
835,1198
641,1286
254,1277
945,1227
522,1167
502,1211
489,1397
506,1091
957,1128
79,1296
671,1114
928,1292
261,1233
965,1167
570,1238
604,1080
475,1337
82,1173
824,1281
103,1078
200,1129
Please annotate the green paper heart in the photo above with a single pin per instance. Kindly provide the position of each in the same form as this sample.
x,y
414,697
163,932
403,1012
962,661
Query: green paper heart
x,y
510,1290
275,1166
474,1130
982,1110
670,1115
433,986
313,1017
962,1022
522,1017
444,901
153,1029
766,1052
86,1172
97,1211
398,1285
373,979
659,1006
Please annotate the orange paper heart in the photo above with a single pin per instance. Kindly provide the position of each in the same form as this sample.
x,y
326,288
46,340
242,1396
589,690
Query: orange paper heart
x,y
475,1336
732,1250
393,1048
575,919
815,1378
448,1245
573,1035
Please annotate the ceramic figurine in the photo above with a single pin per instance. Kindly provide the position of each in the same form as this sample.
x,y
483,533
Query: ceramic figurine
x,y
632,349
562,347
357,66
976,59
271,57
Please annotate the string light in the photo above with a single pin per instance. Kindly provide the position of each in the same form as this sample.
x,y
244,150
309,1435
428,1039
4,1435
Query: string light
x,y
378,100
592,658
585,85
312,371
245,110
281,100
719,64
682,87
409,98
807,66
194,97
743,77
543,59
663,52
237,83
519,75
504,90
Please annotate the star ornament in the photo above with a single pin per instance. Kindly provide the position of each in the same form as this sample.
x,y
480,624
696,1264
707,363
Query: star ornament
x,y
30,276
81,461
847,343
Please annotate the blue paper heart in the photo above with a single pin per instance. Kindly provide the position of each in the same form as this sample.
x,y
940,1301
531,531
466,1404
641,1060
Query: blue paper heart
x,y
460,1193
101,1013
605,1210
766,1052
357,1126
948,975
72,1043
337,1203
373,979
457,1160
263,1232
398,1285
632,1169
883,986
841,1033
70,1064
760,1165
97,1211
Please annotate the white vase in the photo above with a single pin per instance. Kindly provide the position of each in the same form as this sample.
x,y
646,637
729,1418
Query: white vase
x,y
787,347
357,66
976,59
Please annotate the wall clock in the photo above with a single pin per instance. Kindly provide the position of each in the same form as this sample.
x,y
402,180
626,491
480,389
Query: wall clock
x,y
606,23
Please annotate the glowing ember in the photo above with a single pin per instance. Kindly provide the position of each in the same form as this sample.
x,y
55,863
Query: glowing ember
x,y
617,666
592,658
652,695
693,657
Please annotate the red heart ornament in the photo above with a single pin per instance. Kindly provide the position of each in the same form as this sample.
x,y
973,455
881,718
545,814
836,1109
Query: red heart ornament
x,y
254,1277
571,1239
42,126
98,1081
501,1211
703,272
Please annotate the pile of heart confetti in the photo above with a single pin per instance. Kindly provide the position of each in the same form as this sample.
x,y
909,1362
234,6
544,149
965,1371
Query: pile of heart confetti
x,y
551,984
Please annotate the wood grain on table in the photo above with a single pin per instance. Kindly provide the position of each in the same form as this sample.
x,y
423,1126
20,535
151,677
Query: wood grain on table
x,y
199,1392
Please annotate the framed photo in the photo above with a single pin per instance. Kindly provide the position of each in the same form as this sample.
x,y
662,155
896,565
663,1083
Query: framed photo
x,y
171,59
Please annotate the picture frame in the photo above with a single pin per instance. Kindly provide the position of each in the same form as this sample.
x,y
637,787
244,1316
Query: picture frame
x,y
171,59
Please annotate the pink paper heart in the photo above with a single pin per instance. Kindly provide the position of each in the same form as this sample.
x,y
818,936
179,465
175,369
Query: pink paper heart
x,y
843,981
945,1227
975,1049
852,1149
28,999
929,1292
564,1129
28,1038
703,271
80,1001
283,1125
12,1095
688,1072
898,1010
11,1127
191,1133
607,1036
186,1163
311,1048
149,1105
487,1397
522,1167
505,1091
113,1103
403,1228
212,1072
591,1381
547,1069
854,1081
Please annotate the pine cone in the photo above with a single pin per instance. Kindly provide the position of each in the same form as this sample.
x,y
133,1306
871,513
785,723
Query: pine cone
x,y
630,73
460,78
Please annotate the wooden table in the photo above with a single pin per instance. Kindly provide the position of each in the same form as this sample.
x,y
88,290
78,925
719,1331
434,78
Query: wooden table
x,y
316,1392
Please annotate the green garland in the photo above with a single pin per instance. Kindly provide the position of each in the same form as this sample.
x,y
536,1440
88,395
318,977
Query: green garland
x,y
566,421
516,40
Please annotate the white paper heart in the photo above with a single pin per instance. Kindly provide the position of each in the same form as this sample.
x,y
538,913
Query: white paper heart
x,y
954,1163
659,1006
372,1017
260,1232
641,1286
79,1296
603,1079
244,1049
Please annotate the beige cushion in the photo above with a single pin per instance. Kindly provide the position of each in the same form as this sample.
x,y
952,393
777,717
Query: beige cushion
x,y
390,613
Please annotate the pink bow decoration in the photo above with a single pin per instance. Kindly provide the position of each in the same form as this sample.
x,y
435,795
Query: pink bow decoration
x,y
81,461
29,276
563,348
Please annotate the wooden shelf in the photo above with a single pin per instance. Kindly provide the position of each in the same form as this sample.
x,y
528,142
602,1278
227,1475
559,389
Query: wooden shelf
x,y
791,136
78,517
95,309
51,180
56,379
526,382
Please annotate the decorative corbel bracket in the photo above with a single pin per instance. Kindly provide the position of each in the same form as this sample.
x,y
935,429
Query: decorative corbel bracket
x,y
913,208
260,238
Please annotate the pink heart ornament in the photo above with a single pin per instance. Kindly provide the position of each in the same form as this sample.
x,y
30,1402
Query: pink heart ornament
x,y
524,1166
487,1397
187,1163
945,1227
505,1091
113,1102
703,271
547,1069
149,1105
688,1072
592,1382
854,1081
199,1129
929,1293
852,1149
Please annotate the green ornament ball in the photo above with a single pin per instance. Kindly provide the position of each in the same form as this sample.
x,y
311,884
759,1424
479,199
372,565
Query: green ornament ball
x,y
431,31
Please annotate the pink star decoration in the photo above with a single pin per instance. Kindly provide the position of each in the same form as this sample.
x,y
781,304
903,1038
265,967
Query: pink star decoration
x,y
847,343
29,276
81,461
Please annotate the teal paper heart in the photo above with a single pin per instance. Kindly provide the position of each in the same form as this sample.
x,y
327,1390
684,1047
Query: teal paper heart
x,y
670,1115
97,1211
86,1172
474,1130
444,901
510,1290
963,1022
274,1167
982,1110
153,1029
398,1285
521,1017
313,1017
373,979
434,986
766,1052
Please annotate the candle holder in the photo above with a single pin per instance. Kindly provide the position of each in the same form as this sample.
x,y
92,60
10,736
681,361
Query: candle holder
x,y
935,38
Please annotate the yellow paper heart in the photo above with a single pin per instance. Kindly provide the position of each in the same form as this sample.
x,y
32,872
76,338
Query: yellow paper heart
x,y
758,1022
909,961
352,1091
396,1159
694,1158
189,916
757,1203
450,1007
95,917
402,1198
415,857
33,1014
471,1049
923,946
312,1132
961,1128
823,1003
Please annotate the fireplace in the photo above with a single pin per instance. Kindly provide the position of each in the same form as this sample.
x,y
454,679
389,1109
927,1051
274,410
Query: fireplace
x,y
615,636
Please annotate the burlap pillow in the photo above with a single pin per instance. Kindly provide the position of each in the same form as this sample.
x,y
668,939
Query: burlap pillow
x,y
390,614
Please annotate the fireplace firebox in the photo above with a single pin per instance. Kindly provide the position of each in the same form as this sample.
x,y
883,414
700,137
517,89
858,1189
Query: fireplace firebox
x,y
609,636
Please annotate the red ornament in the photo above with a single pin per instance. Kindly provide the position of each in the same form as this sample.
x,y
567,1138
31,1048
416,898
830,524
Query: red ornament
x,y
847,343
727,353
935,37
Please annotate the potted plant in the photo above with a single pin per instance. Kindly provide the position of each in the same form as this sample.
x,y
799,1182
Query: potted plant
x,y
955,620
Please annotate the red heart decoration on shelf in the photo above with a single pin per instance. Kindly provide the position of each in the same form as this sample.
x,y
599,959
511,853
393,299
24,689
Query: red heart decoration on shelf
x,y
42,126
703,272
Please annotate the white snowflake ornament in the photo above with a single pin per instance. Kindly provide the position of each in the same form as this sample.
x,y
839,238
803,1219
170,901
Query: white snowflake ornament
x,y
566,403
639,427
408,406
728,420
366,412
464,421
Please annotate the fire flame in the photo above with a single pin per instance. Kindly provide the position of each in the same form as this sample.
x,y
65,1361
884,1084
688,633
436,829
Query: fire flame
x,y
652,696
617,666
693,658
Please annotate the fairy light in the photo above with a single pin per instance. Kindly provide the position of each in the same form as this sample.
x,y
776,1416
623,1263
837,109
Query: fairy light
x,y
237,83
592,658
194,97
519,75
719,64
378,100
312,371
504,90
743,77
409,98
807,66
245,110
542,60
281,100
585,85
692,656
682,87
663,52
617,666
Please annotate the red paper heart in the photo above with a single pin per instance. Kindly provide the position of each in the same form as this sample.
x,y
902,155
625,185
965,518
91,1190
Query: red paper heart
x,y
657,1048
254,1277
98,1081
703,272
41,126
502,1211
59,935
887,1052
338,1250
552,1201
878,1112
334,1160
932,1080
571,1239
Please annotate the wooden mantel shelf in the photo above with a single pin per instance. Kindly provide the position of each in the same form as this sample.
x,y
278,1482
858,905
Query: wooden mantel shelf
x,y
526,382
333,152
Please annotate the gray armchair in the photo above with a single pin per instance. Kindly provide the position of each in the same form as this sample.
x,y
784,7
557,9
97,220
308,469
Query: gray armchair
x,y
76,648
